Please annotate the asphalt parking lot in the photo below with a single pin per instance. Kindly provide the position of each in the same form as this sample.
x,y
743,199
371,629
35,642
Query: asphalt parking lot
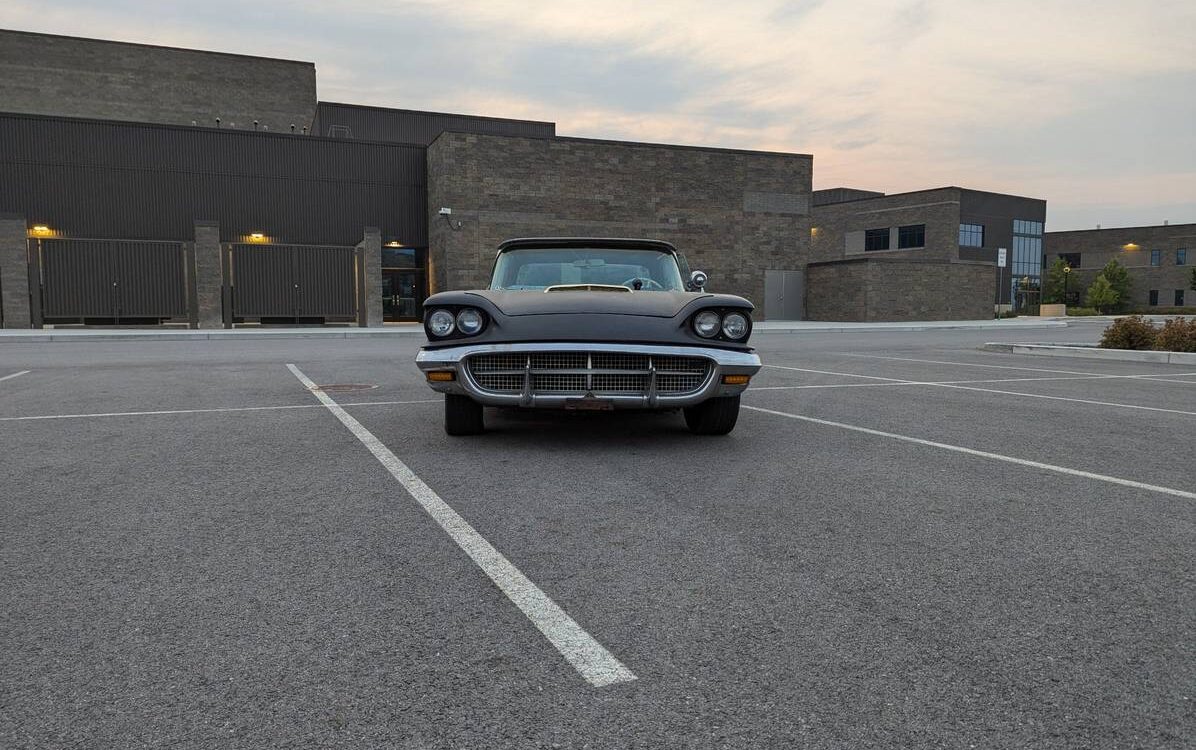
x,y
906,542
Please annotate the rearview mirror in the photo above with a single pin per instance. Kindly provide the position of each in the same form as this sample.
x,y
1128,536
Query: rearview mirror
x,y
697,281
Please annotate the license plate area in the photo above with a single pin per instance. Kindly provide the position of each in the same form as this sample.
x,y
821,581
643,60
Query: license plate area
x,y
589,403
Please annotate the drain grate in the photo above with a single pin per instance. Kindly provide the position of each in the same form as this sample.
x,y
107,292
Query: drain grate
x,y
343,387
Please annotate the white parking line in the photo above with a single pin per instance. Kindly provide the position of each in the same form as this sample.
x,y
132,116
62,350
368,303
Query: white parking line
x,y
597,665
985,454
947,384
937,382
15,375
205,411
1150,377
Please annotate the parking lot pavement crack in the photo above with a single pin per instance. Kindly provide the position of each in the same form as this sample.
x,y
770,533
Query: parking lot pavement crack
x,y
590,658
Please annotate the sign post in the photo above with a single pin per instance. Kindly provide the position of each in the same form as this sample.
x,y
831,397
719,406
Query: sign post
x,y
1002,260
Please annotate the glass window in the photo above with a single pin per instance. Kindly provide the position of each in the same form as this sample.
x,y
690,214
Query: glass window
x,y
971,235
539,268
1181,257
1022,226
1156,257
401,257
911,236
1071,259
1154,296
1179,297
876,239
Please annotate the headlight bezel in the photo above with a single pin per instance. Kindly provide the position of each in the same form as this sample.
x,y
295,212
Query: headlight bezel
x,y
747,325
456,332
461,327
720,334
707,314
442,314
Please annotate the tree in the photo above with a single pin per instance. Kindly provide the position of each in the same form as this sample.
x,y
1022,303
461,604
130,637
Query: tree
x,y
1101,294
1119,279
1056,283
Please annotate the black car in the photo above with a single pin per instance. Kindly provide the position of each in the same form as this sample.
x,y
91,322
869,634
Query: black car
x,y
589,323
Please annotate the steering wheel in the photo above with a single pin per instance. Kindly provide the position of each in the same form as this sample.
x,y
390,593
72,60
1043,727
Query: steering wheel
x,y
644,283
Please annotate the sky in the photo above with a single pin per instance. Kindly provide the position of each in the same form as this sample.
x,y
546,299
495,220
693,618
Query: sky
x,y
1089,104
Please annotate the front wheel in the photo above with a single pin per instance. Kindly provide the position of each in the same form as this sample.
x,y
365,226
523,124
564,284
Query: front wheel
x,y
462,416
716,416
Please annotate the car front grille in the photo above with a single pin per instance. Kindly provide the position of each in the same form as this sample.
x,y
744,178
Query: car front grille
x,y
581,373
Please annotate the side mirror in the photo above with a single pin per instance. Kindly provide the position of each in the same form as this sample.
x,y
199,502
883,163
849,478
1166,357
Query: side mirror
x,y
697,281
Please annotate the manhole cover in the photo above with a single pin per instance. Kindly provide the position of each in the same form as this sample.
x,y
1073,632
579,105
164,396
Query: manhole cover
x,y
342,387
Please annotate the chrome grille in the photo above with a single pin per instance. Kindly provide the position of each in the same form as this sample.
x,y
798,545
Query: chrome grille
x,y
579,373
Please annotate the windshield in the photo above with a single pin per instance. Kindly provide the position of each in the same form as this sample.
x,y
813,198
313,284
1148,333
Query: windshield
x,y
536,269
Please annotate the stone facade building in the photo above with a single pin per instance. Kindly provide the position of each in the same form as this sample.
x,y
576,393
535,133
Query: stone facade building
x,y
1160,260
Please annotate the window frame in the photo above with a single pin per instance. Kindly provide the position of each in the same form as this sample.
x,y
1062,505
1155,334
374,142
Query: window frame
x,y
1153,298
870,234
1156,258
1181,256
1179,298
970,231
902,233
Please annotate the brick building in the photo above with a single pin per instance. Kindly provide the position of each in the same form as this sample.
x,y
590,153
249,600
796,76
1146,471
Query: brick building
x,y
123,202
1160,260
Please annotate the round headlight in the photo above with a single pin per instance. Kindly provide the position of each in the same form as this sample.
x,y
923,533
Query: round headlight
x,y
706,324
469,321
735,325
440,323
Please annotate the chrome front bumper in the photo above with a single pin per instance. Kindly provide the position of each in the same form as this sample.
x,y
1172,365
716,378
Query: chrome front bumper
x,y
452,359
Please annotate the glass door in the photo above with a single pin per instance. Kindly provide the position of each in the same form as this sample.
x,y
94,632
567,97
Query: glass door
x,y
402,293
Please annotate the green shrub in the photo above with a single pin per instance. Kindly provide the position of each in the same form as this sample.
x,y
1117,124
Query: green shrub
x,y
1177,335
1133,332
1101,294
1082,311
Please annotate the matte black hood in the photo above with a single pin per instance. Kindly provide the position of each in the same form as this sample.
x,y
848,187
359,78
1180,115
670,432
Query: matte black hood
x,y
564,302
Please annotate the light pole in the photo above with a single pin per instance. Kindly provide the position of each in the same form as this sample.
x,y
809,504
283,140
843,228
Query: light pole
x,y
1066,277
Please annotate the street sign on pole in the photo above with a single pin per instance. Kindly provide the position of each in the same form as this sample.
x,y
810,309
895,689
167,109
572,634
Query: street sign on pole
x,y
1001,260
1002,253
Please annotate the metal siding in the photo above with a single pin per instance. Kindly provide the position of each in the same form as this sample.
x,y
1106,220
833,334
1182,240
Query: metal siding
x,y
292,281
122,180
406,126
113,279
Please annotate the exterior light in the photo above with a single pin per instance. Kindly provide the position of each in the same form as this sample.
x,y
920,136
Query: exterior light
x,y
394,243
736,379
1130,246
40,229
258,236
1067,269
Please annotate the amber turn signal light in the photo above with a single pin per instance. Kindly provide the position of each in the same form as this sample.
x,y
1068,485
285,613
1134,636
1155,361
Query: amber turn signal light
x,y
441,376
736,379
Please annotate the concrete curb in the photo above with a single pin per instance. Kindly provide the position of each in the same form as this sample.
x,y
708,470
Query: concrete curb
x,y
46,336
1093,352
257,334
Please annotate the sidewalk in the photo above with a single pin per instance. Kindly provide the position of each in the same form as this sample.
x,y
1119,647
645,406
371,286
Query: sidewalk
x,y
415,329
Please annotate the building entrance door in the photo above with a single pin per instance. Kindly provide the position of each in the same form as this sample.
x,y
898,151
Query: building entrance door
x,y
402,293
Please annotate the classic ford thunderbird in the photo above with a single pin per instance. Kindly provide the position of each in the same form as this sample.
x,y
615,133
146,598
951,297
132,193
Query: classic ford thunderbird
x,y
586,323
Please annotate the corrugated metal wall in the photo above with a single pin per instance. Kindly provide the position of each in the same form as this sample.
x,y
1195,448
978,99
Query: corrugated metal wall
x,y
112,279
93,178
408,126
285,281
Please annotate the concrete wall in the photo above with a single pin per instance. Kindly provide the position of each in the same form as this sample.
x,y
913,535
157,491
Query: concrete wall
x,y
1131,247
73,77
14,272
733,214
879,289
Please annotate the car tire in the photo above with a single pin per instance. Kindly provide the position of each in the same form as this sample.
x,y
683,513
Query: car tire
x,y
463,416
716,416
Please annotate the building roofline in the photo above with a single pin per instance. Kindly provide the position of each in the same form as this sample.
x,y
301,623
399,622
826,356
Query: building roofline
x,y
378,108
633,144
158,46
205,128
916,192
1187,225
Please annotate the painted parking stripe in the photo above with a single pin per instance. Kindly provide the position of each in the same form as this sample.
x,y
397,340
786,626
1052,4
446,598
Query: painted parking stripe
x,y
957,382
15,375
1151,377
597,665
206,411
984,454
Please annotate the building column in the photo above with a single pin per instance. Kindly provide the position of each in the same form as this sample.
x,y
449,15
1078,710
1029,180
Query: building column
x,y
14,271
209,280
371,278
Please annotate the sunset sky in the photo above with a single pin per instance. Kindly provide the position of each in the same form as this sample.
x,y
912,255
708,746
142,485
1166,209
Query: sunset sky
x,y
1090,105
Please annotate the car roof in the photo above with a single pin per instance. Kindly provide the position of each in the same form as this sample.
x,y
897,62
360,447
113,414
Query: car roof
x,y
610,242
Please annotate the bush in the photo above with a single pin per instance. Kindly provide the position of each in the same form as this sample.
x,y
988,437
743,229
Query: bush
x,y
1134,332
1082,311
1101,294
1177,335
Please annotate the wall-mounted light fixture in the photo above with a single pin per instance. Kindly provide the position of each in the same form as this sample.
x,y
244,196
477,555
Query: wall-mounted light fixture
x,y
447,213
1130,246
257,237
394,243
40,230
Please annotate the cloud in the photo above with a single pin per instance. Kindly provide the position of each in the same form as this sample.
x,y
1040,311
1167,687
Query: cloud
x,y
1082,103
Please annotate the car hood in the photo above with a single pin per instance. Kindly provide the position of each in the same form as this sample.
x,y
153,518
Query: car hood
x,y
652,304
